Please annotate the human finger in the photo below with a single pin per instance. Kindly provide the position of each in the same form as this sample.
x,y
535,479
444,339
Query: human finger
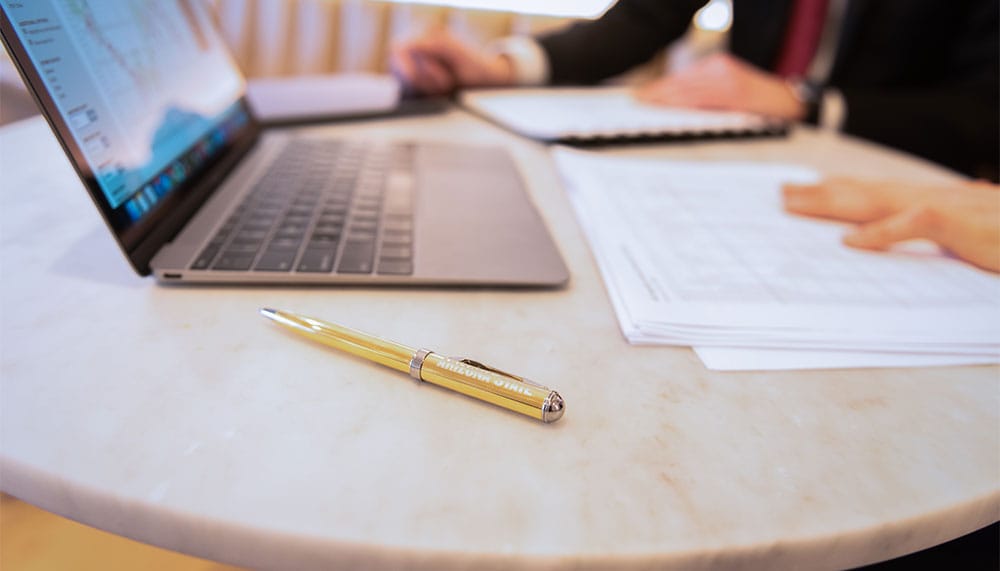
x,y
681,93
435,77
977,245
696,73
451,49
651,92
403,66
916,222
673,98
839,199
410,63
467,66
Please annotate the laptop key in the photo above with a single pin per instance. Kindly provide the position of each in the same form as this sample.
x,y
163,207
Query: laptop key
x,y
317,260
330,229
357,258
294,223
233,261
276,261
397,237
364,225
332,218
400,226
303,211
284,243
361,236
394,251
328,242
243,247
250,235
205,258
365,212
392,266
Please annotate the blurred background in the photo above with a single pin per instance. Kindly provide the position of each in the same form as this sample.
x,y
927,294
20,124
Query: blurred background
x,y
275,38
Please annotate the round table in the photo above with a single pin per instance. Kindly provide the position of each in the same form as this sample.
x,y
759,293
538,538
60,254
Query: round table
x,y
179,417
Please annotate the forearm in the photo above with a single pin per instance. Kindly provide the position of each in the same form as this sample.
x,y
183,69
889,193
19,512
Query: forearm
x,y
630,33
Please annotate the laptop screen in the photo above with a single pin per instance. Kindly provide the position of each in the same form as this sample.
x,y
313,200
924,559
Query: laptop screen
x,y
146,91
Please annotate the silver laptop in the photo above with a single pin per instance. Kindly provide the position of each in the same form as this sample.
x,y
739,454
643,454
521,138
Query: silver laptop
x,y
149,107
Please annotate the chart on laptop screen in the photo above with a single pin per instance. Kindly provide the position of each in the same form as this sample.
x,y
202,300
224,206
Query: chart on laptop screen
x,y
138,83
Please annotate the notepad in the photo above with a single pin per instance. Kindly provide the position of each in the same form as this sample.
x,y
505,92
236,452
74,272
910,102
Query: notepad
x,y
582,115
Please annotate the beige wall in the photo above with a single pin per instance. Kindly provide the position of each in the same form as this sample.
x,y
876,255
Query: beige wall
x,y
285,37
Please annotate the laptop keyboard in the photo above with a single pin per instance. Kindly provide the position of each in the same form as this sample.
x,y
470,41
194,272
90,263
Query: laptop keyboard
x,y
323,207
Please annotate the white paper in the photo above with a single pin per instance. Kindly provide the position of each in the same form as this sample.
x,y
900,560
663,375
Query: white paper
x,y
554,113
733,359
702,254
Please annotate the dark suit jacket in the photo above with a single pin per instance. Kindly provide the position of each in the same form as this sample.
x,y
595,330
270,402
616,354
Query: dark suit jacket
x,y
917,75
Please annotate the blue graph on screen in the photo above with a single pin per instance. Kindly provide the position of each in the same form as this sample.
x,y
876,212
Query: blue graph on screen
x,y
138,82
159,73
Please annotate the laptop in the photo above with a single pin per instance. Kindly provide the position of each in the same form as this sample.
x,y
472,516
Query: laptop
x,y
150,108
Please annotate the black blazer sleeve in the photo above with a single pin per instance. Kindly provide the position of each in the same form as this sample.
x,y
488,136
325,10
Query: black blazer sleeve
x,y
630,33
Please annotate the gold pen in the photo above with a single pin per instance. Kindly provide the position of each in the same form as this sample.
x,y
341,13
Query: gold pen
x,y
462,375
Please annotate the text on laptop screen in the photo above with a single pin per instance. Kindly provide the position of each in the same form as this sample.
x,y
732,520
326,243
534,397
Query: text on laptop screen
x,y
147,89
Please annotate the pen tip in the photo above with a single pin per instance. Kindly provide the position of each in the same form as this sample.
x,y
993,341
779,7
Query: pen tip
x,y
268,312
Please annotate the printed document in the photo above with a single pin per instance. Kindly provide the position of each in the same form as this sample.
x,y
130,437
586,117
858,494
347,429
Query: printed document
x,y
703,255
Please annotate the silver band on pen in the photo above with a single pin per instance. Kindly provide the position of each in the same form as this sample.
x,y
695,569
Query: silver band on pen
x,y
417,363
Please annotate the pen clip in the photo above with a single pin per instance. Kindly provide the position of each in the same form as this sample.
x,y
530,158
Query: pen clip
x,y
483,366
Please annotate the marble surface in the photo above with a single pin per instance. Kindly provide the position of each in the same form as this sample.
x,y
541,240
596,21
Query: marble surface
x,y
179,417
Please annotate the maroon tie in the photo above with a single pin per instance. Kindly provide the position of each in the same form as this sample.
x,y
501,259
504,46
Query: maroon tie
x,y
801,37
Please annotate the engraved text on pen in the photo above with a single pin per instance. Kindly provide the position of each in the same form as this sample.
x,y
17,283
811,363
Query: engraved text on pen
x,y
478,375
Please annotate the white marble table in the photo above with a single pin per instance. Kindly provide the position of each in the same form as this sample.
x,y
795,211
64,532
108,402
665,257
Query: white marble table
x,y
179,417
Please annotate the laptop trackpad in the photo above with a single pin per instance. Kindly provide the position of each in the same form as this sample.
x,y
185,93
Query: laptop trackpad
x,y
474,219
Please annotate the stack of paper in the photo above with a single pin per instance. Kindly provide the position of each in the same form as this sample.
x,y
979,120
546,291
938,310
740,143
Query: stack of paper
x,y
702,254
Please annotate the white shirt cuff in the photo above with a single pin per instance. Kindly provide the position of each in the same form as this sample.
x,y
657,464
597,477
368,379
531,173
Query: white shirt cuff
x,y
833,111
531,65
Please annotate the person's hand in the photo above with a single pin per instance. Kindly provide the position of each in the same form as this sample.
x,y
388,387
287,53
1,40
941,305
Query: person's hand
x,y
724,82
437,63
963,218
